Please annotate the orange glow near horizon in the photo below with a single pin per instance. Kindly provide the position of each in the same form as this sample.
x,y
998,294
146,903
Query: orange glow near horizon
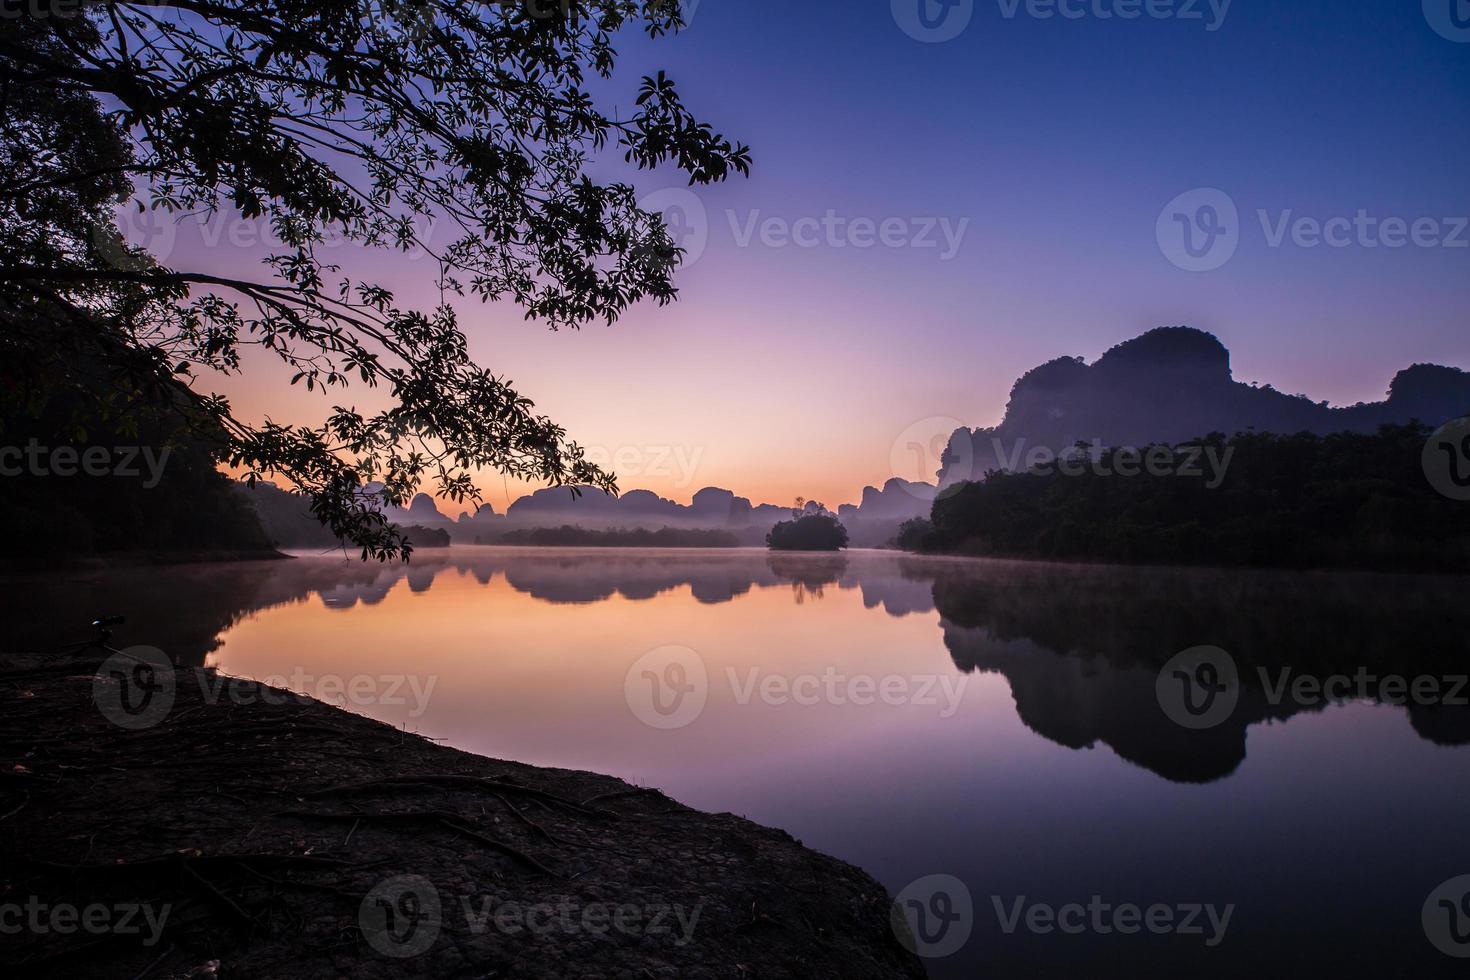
x,y
741,415
510,672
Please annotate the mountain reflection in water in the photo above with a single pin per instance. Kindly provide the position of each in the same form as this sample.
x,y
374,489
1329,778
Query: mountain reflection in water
x,y
1040,765
1079,646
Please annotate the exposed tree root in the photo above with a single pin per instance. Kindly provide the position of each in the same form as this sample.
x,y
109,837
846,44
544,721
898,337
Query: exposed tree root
x,y
482,783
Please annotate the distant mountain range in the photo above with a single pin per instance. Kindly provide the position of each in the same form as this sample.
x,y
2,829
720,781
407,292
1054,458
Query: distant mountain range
x,y
1172,385
874,521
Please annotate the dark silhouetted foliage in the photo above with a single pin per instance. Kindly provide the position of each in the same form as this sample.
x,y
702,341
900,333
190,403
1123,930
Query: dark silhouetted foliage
x,y
426,537
334,120
1300,500
143,483
915,534
815,532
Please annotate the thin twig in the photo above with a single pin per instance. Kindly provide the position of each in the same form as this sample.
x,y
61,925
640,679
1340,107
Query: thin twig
x,y
154,965
10,813
222,897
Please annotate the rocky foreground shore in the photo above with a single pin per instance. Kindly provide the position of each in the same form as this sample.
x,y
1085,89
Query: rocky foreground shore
x,y
161,823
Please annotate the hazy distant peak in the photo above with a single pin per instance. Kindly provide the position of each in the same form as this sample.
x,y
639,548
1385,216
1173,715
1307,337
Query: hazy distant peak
x,y
643,497
484,514
711,497
423,506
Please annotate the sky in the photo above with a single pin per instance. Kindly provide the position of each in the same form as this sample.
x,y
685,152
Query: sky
x,y
940,202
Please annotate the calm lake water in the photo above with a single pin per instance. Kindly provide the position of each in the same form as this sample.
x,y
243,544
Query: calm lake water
x,y
998,723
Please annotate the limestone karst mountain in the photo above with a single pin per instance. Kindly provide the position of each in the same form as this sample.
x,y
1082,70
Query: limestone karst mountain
x,y
1171,385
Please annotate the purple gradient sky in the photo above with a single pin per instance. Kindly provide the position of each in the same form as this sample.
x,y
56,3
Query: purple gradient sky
x,y
789,370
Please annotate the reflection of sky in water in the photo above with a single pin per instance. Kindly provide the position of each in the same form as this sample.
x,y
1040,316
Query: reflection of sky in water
x,y
1056,777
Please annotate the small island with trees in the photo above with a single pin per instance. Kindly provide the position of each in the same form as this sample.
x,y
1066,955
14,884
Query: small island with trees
x,y
812,528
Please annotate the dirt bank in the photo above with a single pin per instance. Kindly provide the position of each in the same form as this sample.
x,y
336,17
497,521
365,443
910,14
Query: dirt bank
x,y
244,832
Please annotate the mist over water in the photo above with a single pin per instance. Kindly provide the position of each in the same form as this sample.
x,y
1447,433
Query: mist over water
x,y
1000,722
